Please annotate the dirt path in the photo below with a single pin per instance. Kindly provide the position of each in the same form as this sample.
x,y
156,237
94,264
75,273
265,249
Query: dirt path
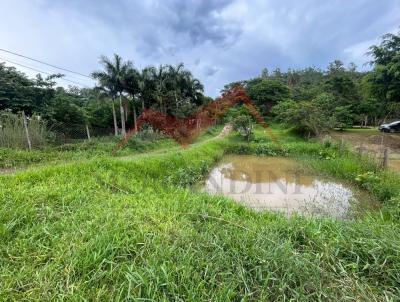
x,y
224,132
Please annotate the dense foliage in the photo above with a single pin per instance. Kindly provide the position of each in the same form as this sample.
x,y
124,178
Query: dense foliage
x,y
315,100
170,89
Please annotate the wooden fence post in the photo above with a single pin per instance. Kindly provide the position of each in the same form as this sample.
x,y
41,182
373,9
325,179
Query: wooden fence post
x,y
87,132
341,145
26,130
385,158
360,149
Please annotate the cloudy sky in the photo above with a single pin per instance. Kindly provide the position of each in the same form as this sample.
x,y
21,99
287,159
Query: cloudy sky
x,y
219,40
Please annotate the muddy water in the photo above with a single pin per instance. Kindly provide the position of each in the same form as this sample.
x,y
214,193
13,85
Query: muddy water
x,y
279,184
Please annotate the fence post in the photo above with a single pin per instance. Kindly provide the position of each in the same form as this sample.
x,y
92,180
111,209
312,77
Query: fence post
x,y
87,132
361,149
385,158
26,130
341,145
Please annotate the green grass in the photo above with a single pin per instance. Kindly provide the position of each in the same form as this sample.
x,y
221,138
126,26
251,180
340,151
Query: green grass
x,y
371,131
82,150
209,133
107,229
22,158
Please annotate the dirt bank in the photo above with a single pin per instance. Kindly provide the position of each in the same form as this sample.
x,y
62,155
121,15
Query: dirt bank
x,y
373,142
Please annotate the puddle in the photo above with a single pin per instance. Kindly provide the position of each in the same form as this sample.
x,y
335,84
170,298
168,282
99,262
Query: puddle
x,y
279,184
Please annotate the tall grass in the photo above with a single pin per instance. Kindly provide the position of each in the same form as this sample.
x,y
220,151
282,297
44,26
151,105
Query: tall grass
x,y
13,135
117,230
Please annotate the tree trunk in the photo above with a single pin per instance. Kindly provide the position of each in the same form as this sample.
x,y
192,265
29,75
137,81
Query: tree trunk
x,y
142,104
126,108
176,100
87,132
115,119
135,118
123,129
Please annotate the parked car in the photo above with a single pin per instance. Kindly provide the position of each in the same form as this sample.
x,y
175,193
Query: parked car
x,y
392,127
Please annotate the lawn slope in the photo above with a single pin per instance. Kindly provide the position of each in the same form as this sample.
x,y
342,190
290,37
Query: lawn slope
x,y
109,229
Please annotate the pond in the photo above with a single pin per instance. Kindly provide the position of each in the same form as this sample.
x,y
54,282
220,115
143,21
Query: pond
x,y
281,184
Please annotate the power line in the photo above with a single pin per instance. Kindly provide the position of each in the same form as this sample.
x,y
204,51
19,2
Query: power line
x,y
41,62
41,71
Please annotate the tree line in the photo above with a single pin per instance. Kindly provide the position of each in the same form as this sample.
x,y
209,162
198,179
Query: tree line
x,y
315,100
169,89
311,99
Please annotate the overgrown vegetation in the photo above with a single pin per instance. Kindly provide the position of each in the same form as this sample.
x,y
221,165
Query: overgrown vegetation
x,y
77,151
133,229
13,133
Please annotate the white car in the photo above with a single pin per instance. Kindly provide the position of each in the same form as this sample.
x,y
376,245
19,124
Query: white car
x,y
392,127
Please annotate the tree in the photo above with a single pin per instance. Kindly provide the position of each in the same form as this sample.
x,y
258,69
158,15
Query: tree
x,y
112,80
242,121
385,77
341,85
307,117
132,87
343,117
244,125
65,114
19,93
264,73
335,67
160,77
176,77
173,88
268,93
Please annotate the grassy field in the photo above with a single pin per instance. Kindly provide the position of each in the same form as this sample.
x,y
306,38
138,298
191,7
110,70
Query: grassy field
x,y
108,229
20,159
12,159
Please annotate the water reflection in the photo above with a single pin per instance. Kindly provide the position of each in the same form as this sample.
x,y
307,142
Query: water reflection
x,y
277,183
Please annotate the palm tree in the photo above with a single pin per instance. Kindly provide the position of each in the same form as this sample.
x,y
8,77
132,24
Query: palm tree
x,y
108,87
176,79
168,86
112,79
147,84
160,77
195,89
132,83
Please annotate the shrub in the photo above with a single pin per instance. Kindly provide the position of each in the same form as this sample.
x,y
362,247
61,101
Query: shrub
x,y
242,121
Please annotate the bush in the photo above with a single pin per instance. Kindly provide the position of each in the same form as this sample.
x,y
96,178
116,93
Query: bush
x,y
148,134
242,121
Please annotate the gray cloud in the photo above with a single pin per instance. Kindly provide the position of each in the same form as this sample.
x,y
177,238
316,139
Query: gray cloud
x,y
219,40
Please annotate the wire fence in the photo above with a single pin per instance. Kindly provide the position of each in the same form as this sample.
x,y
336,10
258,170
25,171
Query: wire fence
x,y
20,131
68,133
